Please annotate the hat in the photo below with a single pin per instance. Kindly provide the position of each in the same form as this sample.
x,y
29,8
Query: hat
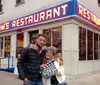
x,y
53,49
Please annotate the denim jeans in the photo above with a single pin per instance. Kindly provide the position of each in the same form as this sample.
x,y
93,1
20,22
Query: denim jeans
x,y
34,82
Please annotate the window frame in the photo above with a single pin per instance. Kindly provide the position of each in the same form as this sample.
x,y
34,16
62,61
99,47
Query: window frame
x,y
2,7
98,2
21,2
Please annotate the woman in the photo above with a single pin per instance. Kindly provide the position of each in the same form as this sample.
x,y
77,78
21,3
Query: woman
x,y
52,56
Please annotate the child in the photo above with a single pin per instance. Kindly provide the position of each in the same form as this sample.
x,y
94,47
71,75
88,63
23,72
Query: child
x,y
52,56
60,75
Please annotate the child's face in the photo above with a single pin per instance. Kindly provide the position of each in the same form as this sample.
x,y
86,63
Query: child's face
x,y
49,54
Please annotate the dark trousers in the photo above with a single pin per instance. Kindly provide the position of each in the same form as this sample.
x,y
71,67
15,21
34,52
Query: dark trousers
x,y
55,82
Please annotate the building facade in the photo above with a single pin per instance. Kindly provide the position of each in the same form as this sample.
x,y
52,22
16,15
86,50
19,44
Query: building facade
x,y
72,26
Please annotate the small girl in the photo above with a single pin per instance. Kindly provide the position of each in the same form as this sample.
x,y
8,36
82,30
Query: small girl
x,y
52,56
59,78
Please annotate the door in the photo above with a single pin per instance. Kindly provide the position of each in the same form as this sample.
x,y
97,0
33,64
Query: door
x,y
33,35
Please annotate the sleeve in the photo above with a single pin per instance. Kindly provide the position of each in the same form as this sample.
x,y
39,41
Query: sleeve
x,y
21,62
60,68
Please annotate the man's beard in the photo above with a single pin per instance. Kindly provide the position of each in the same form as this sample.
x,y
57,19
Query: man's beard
x,y
39,46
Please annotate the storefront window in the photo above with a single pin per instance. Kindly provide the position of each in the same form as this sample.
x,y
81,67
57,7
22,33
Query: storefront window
x,y
54,37
7,46
1,46
20,39
90,45
57,38
96,46
82,44
47,33
88,49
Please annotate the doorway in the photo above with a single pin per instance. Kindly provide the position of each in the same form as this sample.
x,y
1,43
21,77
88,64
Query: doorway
x,y
33,35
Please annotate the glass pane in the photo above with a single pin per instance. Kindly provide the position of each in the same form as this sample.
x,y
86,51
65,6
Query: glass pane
x,y
7,46
20,40
95,46
99,47
90,45
47,33
82,44
1,47
57,38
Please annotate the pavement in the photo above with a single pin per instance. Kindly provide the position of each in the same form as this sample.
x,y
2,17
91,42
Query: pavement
x,y
7,78
91,79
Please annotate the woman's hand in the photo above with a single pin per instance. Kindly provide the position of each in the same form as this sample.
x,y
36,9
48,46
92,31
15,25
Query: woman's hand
x,y
58,73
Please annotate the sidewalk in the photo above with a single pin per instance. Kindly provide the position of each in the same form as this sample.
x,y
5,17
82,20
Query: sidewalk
x,y
7,78
92,79
10,79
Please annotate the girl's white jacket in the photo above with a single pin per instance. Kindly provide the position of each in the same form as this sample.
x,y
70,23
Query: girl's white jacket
x,y
60,69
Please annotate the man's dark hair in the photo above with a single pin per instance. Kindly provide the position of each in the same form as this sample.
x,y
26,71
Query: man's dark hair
x,y
41,35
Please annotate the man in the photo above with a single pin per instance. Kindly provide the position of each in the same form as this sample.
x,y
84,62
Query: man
x,y
30,61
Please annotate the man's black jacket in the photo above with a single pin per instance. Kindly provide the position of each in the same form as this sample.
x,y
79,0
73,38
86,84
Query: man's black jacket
x,y
29,64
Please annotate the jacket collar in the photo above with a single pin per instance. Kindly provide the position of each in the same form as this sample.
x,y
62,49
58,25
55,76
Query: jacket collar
x,y
32,47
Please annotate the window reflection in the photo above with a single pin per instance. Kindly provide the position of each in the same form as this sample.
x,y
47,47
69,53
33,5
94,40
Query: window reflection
x,y
88,49
95,46
20,39
54,37
57,38
7,46
47,33
90,45
82,44
1,46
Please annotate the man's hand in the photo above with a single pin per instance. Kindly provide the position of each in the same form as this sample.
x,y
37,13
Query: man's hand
x,y
25,80
43,65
